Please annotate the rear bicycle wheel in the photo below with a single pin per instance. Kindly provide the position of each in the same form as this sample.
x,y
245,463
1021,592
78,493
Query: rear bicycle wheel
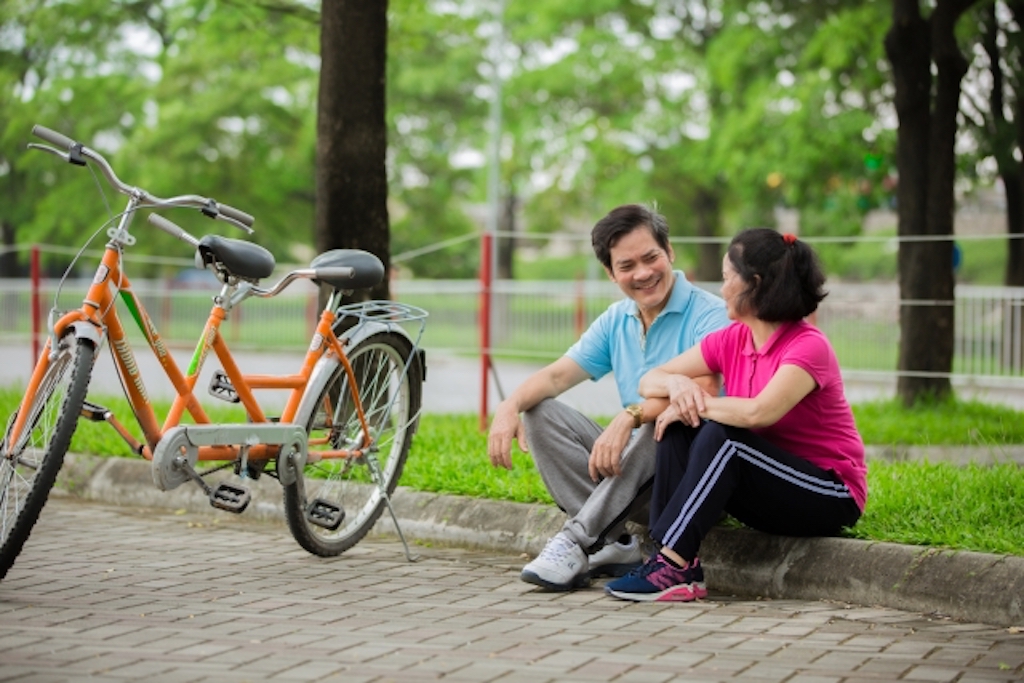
x,y
29,466
334,502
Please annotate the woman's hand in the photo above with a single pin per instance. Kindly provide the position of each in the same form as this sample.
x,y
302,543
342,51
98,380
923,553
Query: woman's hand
x,y
687,398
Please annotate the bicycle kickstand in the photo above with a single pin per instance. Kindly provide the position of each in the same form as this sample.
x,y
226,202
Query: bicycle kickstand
x,y
371,460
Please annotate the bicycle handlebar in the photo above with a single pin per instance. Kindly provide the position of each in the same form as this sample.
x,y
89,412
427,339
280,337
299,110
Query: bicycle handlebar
x,y
171,229
77,153
53,137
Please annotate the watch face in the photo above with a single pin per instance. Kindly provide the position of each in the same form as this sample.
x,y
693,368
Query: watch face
x,y
638,414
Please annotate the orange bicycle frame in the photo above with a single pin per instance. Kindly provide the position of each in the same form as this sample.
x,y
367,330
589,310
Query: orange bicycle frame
x,y
99,310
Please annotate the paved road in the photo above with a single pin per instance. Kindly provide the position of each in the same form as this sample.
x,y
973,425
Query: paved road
x,y
114,594
453,382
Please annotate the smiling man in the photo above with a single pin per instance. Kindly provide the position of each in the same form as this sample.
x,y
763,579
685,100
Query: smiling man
x,y
601,476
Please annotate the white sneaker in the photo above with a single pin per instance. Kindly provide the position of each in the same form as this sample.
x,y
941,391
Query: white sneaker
x,y
616,559
561,566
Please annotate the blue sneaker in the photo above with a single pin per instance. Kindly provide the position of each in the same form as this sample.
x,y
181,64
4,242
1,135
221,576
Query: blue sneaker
x,y
658,581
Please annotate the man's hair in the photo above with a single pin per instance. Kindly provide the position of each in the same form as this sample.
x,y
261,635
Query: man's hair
x,y
621,221
783,277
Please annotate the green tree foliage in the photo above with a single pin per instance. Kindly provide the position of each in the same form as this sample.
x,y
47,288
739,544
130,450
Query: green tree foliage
x,y
60,65
179,96
717,111
435,119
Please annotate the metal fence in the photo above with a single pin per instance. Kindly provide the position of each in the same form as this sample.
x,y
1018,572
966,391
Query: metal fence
x,y
539,320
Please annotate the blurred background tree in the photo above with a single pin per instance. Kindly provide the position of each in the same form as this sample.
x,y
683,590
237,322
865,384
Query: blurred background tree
x,y
725,113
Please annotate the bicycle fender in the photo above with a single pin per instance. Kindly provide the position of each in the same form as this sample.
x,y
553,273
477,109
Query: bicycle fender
x,y
354,335
80,326
324,367
358,333
86,330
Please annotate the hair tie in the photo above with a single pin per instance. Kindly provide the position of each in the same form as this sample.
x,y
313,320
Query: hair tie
x,y
788,238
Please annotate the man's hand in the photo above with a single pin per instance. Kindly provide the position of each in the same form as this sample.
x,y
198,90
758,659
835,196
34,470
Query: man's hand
x,y
505,427
606,456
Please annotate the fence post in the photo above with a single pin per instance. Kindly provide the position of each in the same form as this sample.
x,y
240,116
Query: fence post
x,y
36,313
580,318
485,323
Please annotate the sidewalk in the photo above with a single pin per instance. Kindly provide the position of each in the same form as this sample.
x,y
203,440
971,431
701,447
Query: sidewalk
x,y
121,595
963,585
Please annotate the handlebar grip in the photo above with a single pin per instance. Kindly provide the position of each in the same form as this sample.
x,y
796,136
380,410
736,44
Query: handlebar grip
x,y
172,229
53,137
240,216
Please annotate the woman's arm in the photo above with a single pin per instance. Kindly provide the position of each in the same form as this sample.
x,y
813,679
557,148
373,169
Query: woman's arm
x,y
785,389
689,363
674,380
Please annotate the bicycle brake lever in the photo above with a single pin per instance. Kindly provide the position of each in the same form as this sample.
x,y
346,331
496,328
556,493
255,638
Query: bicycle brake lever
x,y
52,150
228,214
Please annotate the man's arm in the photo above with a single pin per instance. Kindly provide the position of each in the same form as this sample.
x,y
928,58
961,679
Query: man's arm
x,y
606,455
548,382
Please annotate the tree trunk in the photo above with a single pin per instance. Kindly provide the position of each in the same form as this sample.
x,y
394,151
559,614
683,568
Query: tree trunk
x,y
351,180
707,205
1013,179
926,161
9,257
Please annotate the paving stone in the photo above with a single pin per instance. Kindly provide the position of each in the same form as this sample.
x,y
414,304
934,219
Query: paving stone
x,y
154,604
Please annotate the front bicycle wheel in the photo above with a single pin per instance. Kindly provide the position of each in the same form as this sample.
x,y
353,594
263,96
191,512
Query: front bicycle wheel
x,y
335,501
29,466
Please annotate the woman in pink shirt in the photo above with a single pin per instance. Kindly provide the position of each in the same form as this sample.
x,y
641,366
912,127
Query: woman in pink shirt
x,y
780,451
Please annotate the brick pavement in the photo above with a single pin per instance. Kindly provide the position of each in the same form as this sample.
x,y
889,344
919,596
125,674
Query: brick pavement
x,y
116,594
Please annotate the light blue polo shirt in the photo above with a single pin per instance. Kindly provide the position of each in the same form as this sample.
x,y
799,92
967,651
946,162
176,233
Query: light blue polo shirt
x,y
616,343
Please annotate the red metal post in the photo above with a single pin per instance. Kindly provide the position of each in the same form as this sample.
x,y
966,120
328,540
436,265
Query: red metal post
x,y
36,309
485,324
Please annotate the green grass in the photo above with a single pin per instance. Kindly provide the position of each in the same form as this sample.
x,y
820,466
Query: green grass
x,y
942,505
968,423
946,506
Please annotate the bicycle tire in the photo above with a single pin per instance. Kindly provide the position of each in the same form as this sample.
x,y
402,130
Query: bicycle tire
x,y
27,476
379,363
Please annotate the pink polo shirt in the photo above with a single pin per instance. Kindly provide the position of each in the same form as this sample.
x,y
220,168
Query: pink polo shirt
x,y
820,428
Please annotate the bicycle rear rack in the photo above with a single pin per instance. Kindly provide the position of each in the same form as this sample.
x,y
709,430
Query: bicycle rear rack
x,y
382,311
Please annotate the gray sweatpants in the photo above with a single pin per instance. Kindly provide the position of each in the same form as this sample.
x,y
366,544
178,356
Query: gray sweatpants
x,y
560,440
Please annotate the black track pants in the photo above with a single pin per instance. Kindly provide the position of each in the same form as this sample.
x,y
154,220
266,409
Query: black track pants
x,y
704,471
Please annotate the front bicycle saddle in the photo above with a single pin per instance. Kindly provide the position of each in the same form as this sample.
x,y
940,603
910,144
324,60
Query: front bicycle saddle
x,y
241,259
368,271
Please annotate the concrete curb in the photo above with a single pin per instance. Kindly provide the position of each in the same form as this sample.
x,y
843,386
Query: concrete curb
x,y
958,455
966,586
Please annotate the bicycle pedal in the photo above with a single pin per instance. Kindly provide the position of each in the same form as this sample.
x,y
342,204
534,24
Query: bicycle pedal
x,y
230,497
93,412
222,388
326,515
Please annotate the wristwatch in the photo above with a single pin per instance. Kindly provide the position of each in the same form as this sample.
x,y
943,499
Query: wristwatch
x,y
637,411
